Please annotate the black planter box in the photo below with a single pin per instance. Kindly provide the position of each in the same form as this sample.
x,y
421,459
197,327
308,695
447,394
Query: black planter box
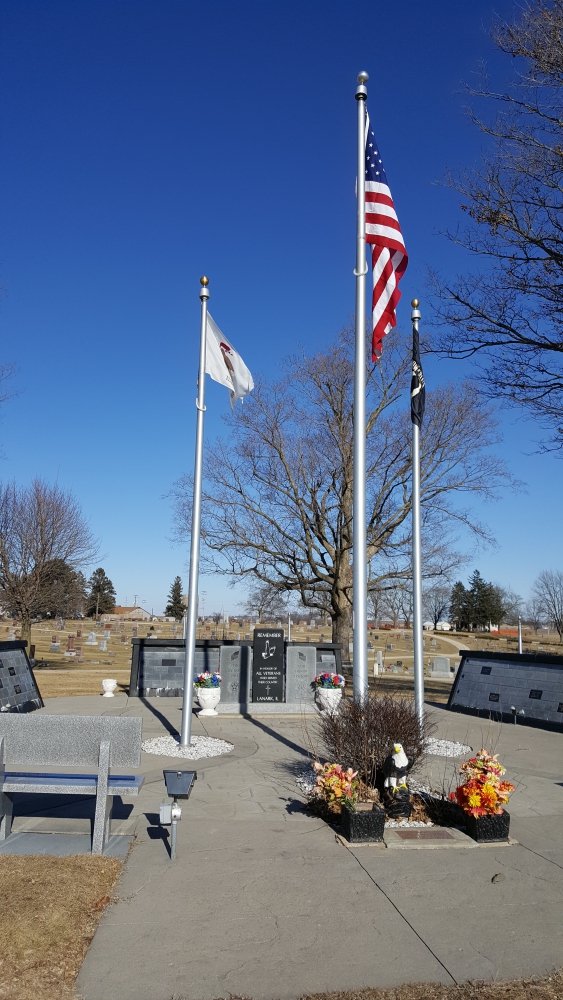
x,y
363,825
487,829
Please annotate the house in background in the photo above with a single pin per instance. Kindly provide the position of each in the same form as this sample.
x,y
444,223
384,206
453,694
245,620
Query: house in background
x,y
133,614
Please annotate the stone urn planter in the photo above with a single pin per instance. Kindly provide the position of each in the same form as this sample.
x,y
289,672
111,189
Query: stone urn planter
x,y
209,698
364,824
108,687
328,699
488,829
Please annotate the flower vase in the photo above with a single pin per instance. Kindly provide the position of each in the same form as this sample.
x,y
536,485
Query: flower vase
x,y
488,829
364,824
208,698
108,687
328,698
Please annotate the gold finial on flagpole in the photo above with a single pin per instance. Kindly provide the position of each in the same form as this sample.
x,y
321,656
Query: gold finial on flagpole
x,y
204,281
415,303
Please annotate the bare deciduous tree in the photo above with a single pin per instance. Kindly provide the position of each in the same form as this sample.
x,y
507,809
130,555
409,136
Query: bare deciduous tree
x,y
277,498
39,524
535,613
509,313
436,602
548,590
266,600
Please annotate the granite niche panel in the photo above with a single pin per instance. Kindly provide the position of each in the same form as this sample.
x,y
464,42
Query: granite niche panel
x,y
18,688
527,687
157,670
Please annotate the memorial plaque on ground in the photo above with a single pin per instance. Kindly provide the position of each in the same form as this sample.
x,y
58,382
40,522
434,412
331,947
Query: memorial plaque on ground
x,y
268,667
18,690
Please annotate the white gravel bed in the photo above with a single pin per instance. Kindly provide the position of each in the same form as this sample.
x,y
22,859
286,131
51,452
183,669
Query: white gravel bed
x,y
393,824
200,747
306,779
446,748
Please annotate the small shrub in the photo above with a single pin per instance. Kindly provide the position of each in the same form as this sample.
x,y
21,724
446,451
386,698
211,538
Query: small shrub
x,y
361,735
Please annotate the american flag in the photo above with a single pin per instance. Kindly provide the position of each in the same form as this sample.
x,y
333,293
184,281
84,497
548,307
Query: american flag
x,y
388,254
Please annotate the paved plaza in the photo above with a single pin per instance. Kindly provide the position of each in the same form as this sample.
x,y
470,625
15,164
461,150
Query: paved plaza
x,y
265,902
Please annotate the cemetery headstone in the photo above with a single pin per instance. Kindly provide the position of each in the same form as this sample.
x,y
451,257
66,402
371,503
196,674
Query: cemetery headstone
x,y
268,666
103,645
441,666
11,635
135,631
78,633
70,651
91,640
123,638
390,646
55,646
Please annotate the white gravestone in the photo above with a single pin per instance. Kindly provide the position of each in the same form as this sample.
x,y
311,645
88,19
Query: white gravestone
x,y
441,667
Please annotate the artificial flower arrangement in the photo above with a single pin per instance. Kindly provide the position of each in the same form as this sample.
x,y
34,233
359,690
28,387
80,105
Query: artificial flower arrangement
x,y
329,681
207,680
336,786
483,793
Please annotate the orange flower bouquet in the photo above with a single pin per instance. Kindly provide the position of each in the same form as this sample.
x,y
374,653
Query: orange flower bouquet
x,y
338,787
483,792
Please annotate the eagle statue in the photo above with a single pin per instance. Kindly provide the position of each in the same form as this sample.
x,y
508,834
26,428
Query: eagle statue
x,y
395,768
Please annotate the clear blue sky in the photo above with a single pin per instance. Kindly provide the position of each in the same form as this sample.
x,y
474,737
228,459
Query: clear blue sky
x,y
147,143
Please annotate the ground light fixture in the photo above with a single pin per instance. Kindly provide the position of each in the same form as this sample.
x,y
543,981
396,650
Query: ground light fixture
x,y
179,785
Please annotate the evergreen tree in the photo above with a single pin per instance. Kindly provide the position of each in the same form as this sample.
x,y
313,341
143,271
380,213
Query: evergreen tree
x,y
459,606
482,605
175,607
101,599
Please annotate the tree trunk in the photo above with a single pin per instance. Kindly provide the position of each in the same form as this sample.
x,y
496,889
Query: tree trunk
x,y
341,630
26,631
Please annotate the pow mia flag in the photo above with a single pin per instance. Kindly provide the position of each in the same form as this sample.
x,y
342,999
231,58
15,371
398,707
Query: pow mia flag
x,y
418,391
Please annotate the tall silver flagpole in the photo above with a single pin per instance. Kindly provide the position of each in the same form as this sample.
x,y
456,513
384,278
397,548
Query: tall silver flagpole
x,y
186,734
416,557
360,653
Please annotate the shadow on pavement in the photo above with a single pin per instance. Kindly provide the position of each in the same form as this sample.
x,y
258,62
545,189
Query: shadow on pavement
x,y
277,736
161,718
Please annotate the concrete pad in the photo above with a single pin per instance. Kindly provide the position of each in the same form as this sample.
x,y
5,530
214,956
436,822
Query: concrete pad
x,y
61,844
265,901
432,838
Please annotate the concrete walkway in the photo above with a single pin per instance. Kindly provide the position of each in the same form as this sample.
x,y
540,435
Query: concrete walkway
x,y
265,902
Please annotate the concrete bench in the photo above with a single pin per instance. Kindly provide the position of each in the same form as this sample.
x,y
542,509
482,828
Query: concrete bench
x,y
69,741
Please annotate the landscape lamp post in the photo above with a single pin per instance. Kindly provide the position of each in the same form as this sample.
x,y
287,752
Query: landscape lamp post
x,y
191,629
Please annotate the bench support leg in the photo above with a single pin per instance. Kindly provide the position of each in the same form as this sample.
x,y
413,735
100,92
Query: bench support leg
x,y
5,800
5,816
103,801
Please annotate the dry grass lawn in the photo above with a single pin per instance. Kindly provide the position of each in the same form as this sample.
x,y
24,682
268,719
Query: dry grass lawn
x,y
50,908
541,988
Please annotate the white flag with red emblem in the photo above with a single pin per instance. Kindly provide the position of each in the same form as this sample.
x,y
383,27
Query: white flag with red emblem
x,y
225,365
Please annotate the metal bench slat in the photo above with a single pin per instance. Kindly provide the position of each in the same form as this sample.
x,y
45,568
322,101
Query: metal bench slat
x,y
71,784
